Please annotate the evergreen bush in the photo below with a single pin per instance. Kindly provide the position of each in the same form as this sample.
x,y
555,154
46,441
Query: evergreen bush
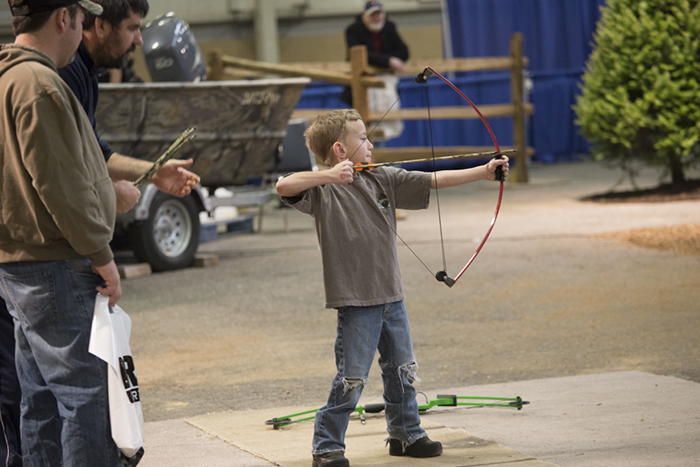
x,y
641,87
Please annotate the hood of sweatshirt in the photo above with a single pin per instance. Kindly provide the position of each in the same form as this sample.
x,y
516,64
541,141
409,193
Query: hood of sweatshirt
x,y
12,55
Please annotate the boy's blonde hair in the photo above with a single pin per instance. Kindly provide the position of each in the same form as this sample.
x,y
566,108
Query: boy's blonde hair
x,y
327,130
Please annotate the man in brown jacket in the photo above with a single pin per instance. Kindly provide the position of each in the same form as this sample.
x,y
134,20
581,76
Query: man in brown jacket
x,y
57,211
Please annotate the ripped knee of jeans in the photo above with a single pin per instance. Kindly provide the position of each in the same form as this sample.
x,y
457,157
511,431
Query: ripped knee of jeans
x,y
409,369
352,383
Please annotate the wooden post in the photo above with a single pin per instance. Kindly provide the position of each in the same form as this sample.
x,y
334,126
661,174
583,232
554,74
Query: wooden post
x,y
115,75
519,172
358,67
215,70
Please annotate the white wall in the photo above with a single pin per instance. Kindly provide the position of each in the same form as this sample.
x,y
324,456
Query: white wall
x,y
295,16
220,22
218,11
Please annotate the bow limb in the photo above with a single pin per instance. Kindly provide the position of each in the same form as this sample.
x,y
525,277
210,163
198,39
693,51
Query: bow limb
x,y
493,222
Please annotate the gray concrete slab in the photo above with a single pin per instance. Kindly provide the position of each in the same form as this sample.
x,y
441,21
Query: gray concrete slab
x,y
175,443
365,443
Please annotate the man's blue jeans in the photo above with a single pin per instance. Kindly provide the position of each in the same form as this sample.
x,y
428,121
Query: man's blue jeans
x,y
361,331
64,410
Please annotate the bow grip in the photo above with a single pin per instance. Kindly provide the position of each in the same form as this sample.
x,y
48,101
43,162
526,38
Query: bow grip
x,y
499,170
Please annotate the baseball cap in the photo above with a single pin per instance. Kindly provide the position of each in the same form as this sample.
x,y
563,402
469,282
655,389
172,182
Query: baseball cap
x,y
372,6
29,7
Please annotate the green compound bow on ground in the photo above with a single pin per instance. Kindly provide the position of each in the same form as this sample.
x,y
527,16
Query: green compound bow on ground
x,y
441,401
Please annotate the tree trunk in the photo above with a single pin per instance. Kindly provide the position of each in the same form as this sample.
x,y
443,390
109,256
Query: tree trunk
x,y
677,175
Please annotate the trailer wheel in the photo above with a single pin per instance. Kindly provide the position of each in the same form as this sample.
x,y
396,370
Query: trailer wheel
x,y
169,238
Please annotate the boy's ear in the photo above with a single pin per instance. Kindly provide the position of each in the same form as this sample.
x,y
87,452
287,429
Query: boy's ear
x,y
339,151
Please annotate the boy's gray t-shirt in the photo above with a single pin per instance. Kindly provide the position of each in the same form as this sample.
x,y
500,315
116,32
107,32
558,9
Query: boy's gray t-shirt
x,y
356,228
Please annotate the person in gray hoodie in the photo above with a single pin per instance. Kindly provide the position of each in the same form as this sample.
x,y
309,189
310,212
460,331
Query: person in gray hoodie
x,y
57,213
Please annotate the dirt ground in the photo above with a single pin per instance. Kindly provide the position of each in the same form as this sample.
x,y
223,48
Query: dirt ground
x,y
684,239
561,288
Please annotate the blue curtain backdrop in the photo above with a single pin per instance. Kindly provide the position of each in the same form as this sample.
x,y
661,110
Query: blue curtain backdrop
x,y
557,41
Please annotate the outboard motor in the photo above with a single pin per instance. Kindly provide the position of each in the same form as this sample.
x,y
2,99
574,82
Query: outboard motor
x,y
171,51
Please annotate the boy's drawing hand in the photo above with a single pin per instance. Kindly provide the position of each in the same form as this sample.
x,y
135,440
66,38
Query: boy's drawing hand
x,y
493,163
343,173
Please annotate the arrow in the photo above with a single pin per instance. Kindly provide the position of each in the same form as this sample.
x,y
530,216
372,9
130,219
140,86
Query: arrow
x,y
360,166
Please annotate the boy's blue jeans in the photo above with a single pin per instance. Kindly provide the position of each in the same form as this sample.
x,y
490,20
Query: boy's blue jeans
x,y
64,409
361,331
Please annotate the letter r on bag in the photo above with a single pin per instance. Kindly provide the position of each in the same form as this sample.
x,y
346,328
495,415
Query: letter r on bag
x,y
126,364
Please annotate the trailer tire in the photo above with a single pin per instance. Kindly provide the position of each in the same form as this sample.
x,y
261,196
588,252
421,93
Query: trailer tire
x,y
169,238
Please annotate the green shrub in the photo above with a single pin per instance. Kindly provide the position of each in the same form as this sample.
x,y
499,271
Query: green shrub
x,y
641,87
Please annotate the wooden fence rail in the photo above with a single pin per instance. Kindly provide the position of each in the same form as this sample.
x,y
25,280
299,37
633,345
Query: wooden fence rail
x,y
358,75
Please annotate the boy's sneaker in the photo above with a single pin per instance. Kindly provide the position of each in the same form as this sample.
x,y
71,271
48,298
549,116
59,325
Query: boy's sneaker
x,y
331,459
422,447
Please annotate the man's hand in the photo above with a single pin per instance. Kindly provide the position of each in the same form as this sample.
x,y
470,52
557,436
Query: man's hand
x,y
396,63
342,173
174,179
113,287
127,195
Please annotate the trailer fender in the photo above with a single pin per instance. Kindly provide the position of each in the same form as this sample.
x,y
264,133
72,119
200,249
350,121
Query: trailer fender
x,y
142,209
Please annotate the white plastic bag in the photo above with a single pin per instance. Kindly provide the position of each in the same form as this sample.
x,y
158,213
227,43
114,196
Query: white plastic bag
x,y
109,341
382,99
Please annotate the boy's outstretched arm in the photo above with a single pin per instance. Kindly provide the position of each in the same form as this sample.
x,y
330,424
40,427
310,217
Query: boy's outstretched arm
x,y
296,183
448,178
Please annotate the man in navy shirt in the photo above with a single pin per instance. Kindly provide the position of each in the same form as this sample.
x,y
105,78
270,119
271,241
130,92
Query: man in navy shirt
x,y
107,42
